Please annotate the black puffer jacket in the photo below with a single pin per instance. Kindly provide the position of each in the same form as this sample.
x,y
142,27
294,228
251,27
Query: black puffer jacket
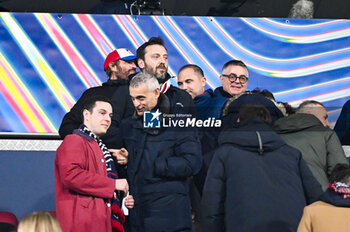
x,y
118,92
256,182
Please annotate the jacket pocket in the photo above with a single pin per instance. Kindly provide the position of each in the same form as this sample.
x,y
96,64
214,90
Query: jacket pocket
x,y
85,201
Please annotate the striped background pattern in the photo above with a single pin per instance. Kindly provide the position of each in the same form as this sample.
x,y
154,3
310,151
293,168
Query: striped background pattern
x,y
48,60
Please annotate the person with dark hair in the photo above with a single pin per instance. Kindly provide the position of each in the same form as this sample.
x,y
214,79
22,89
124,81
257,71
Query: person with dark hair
x,y
234,79
255,181
119,64
161,159
191,79
332,211
152,58
252,111
342,126
265,93
234,105
308,131
85,175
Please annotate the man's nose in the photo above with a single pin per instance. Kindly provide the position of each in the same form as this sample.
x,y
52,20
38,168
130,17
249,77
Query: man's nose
x,y
136,103
108,118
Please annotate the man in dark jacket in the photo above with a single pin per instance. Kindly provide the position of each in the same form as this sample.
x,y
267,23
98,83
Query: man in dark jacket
x,y
255,181
118,65
234,79
191,79
308,131
160,161
152,58
342,127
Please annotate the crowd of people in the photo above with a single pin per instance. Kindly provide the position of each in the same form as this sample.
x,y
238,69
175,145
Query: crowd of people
x,y
258,168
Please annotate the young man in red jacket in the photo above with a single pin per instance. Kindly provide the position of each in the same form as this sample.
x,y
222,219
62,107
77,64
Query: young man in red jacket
x,y
85,175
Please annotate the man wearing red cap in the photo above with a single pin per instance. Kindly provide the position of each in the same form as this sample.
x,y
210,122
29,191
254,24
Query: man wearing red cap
x,y
119,64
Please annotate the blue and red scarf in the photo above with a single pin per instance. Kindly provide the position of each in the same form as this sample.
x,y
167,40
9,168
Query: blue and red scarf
x,y
341,188
118,217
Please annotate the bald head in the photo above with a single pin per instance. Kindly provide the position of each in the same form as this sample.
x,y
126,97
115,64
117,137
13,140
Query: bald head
x,y
315,108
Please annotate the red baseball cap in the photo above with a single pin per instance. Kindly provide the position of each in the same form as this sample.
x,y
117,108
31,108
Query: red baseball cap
x,y
119,54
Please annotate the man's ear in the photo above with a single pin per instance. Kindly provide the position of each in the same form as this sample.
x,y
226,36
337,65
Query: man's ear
x,y
111,65
86,113
141,63
204,81
221,79
157,92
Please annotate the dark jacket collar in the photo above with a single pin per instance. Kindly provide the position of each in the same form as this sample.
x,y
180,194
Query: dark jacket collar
x,y
333,198
116,82
219,91
253,135
82,134
207,94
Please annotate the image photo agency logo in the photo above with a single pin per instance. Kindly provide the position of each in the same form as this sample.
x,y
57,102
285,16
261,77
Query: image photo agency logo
x,y
151,119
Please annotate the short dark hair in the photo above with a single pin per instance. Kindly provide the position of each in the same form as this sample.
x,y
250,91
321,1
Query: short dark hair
x,y
194,67
304,104
140,52
90,103
266,93
251,111
234,63
340,173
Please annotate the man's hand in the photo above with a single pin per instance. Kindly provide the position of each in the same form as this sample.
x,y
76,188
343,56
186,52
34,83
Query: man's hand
x,y
122,185
129,202
121,155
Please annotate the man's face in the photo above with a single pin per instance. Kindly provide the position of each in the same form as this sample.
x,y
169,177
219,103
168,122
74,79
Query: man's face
x,y
191,81
320,113
122,69
231,86
99,120
144,99
155,61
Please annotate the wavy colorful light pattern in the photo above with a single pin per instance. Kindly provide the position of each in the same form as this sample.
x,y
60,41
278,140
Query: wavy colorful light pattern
x,y
46,61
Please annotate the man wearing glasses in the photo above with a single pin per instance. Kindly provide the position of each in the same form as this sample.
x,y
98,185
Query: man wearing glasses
x,y
234,79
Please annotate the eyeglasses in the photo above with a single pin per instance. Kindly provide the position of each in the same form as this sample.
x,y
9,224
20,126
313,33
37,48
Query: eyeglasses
x,y
233,77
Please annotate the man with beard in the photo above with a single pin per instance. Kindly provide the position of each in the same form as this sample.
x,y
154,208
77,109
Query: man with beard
x,y
118,65
152,58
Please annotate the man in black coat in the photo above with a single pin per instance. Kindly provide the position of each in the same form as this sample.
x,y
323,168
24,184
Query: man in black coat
x,y
152,58
255,181
118,65
160,161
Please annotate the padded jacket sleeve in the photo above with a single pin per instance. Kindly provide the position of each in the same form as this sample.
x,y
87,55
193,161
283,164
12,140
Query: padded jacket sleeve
x,y
187,160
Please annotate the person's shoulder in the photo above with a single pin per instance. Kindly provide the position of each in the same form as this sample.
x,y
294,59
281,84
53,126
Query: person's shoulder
x,y
318,205
177,90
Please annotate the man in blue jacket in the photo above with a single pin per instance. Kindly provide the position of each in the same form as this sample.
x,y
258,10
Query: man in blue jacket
x,y
161,159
